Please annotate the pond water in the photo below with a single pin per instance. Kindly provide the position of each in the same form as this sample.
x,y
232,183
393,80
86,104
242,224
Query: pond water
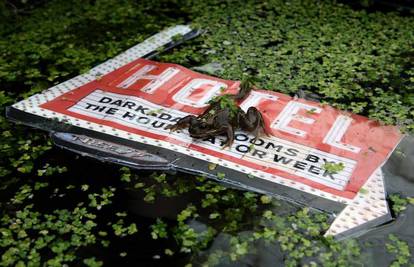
x,y
143,250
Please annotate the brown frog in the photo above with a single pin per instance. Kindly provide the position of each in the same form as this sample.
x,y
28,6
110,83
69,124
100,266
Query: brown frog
x,y
223,117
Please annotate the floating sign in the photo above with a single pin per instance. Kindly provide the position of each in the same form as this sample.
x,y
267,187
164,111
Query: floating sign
x,y
313,153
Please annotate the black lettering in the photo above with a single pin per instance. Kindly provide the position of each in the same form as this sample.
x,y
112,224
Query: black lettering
x,y
117,103
241,137
129,105
292,152
143,120
300,165
242,148
128,115
315,170
324,160
142,109
259,153
105,100
165,116
282,159
91,105
100,109
210,139
111,111
270,144
278,148
312,158
159,125
327,173
257,141
175,119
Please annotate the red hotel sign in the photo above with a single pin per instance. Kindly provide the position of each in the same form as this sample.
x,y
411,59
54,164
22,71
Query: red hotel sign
x,y
143,97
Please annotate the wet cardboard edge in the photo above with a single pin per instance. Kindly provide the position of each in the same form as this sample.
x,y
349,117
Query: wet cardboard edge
x,y
180,162
365,227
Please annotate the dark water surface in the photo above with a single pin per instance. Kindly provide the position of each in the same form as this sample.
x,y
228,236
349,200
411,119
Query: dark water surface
x,y
399,179
144,251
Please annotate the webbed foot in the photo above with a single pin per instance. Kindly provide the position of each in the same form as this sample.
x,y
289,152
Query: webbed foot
x,y
229,132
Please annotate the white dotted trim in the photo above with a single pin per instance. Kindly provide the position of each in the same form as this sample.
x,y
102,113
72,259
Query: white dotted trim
x,y
149,45
369,204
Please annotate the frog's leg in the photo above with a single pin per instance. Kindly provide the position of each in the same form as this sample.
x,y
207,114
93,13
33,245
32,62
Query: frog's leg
x,y
229,132
224,129
252,121
246,87
182,123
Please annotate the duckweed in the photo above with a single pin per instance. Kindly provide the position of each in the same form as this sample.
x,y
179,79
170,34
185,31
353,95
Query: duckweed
x,y
59,209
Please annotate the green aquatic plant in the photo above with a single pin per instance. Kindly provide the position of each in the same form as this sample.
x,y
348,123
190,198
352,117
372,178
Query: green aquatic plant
x,y
30,234
399,203
400,249
51,214
332,167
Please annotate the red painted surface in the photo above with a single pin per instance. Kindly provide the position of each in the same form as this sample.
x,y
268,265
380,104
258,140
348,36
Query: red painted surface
x,y
375,141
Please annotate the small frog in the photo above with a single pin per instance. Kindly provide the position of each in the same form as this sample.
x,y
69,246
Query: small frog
x,y
223,117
